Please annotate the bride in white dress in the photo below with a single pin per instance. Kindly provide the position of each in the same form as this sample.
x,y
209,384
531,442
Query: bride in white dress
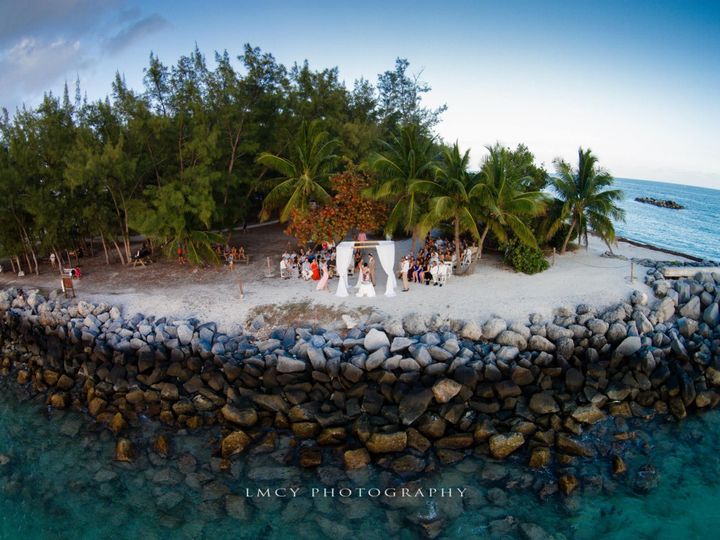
x,y
365,286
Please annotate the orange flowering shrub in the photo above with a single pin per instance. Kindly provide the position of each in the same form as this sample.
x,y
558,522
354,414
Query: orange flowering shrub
x,y
348,209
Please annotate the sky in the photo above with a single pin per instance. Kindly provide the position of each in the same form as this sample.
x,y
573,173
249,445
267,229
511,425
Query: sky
x,y
636,81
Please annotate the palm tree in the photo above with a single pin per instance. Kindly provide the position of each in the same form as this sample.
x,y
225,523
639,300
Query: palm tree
x,y
503,200
408,159
450,196
304,172
587,199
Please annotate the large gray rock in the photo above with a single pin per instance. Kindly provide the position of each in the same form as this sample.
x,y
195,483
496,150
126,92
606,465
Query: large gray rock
x,y
555,332
543,403
597,326
629,346
400,344
692,309
286,364
446,389
414,404
492,328
472,330
539,343
513,339
376,359
184,334
376,339
414,324
394,328
317,358
711,315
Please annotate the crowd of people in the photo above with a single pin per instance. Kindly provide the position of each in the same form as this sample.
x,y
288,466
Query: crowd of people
x,y
432,264
317,264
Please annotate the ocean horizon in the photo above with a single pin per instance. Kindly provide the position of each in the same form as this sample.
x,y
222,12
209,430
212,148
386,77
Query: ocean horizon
x,y
692,230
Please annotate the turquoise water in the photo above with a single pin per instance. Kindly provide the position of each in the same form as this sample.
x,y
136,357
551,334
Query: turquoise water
x,y
693,230
61,482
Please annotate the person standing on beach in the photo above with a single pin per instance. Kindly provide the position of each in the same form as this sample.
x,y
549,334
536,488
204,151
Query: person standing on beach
x,y
323,283
371,267
404,269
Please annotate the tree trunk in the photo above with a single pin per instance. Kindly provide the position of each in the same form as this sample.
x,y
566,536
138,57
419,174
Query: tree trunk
x,y
119,252
105,249
12,263
482,241
19,266
457,242
27,260
567,238
35,261
59,260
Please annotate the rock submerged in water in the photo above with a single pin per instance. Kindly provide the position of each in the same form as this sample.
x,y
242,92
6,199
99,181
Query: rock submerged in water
x,y
124,451
234,443
501,446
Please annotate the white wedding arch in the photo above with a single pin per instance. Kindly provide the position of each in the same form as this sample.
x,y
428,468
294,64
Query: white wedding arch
x,y
344,258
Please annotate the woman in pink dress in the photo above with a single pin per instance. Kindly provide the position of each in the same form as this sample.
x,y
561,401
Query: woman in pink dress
x,y
323,283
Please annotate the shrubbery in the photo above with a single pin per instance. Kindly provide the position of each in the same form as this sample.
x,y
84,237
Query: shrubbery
x,y
526,259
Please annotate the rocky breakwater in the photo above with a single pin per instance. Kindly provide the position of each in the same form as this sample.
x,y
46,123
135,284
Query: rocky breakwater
x,y
408,396
662,203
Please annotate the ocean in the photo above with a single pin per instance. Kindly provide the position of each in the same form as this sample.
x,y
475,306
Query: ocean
x,y
58,480
693,230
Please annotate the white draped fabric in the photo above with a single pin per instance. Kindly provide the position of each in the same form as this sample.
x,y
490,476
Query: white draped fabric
x,y
343,256
386,254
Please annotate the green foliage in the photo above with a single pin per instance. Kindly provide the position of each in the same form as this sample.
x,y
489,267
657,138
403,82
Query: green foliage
x,y
524,258
404,166
588,199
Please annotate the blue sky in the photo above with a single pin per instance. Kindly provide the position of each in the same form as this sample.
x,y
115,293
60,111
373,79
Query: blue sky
x,y
637,81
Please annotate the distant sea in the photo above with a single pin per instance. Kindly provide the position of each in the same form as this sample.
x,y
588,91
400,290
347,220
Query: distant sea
x,y
695,230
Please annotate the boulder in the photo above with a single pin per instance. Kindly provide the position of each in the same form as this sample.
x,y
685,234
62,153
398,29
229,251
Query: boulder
x,y
540,457
414,324
629,346
414,404
588,414
543,403
286,364
400,344
493,327
124,450
375,339
501,446
692,309
711,315
522,376
234,443
472,331
184,334
356,459
381,443
445,389
539,343
241,417
512,339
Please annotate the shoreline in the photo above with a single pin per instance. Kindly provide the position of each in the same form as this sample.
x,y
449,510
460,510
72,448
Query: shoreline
x,y
659,249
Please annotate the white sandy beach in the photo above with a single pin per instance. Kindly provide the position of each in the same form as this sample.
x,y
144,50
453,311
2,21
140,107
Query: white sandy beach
x,y
167,289
493,290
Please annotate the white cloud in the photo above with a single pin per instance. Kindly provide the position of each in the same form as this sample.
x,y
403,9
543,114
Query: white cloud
x,y
31,66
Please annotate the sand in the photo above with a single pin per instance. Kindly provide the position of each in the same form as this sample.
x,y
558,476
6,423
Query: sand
x,y
167,289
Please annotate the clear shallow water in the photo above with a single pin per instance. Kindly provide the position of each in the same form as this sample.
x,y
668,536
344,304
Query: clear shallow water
x,y
693,230
61,482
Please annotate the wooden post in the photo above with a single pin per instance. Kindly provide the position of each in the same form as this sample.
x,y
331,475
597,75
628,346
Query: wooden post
x,y
632,271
